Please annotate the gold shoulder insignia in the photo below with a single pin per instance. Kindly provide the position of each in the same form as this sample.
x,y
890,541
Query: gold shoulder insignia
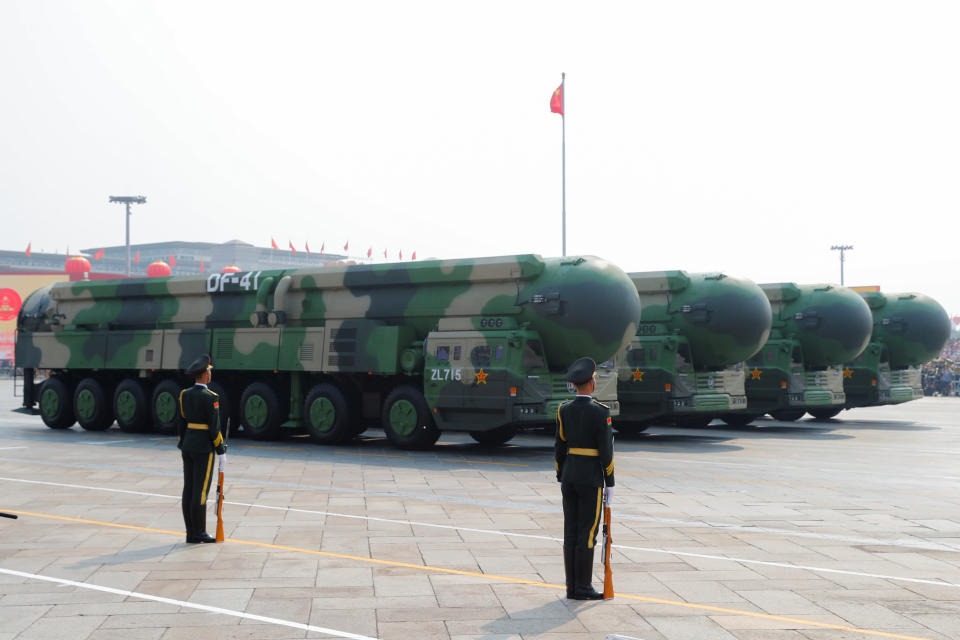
x,y
214,394
601,404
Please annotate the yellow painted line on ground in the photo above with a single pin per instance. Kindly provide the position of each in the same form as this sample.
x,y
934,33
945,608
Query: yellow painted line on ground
x,y
461,572
506,464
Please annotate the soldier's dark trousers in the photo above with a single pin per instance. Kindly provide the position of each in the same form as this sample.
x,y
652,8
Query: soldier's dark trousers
x,y
197,477
581,519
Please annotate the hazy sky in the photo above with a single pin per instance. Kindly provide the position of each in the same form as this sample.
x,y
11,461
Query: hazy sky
x,y
746,137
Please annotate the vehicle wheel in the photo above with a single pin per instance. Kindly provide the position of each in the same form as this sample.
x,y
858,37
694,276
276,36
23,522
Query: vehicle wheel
x,y
327,415
131,407
56,404
260,412
407,420
787,415
694,422
228,418
495,437
825,414
91,407
165,407
738,419
630,428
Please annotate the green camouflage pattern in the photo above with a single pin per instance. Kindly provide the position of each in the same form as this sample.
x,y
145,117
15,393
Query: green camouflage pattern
x,y
909,330
374,326
695,332
815,329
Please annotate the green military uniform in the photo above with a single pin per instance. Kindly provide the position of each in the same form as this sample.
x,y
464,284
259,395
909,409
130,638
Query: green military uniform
x,y
584,463
199,438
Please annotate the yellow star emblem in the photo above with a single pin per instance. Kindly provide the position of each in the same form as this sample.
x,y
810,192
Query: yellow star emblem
x,y
481,377
848,373
755,374
637,375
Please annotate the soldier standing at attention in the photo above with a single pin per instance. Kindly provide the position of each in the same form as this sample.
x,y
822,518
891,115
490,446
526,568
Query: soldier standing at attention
x,y
584,461
199,437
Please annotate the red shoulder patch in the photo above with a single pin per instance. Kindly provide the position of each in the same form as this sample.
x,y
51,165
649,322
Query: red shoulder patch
x,y
216,405
609,420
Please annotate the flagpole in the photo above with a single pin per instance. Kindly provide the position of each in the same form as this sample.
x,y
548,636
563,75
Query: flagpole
x,y
563,153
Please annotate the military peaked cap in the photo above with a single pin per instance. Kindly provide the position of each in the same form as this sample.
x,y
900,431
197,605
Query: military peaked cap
x,y
581,371
199,365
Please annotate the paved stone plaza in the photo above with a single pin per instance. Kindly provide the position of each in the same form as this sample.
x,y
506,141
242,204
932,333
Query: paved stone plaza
x,y
779,531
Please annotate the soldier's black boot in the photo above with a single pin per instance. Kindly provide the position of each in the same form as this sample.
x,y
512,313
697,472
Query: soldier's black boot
x,y
200,525
569,570
583,563
188,521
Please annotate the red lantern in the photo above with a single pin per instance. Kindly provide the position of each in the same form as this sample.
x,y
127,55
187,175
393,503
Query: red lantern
x,y
230,268
77,264
158,269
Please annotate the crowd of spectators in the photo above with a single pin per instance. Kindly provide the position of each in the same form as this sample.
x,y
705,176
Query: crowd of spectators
x,y
941,377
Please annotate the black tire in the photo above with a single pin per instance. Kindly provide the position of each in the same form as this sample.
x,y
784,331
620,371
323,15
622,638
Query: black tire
x,y
260,412
495,437
738,419
407,421
228,415
787,415
327,415
694,421
630,428
825,414
92,406
165,407
56,404
131,408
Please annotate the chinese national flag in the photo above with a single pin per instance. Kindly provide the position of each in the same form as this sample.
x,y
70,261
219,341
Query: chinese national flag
x,y
136,258
173,261
414,256
556,101
273,243
292,248
401,254
201,266
98,255
346,247
369,252
29,244
307,245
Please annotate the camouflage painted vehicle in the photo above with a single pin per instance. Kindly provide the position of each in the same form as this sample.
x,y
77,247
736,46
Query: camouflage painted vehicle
x,y
815,329
478,345
909,330
686,361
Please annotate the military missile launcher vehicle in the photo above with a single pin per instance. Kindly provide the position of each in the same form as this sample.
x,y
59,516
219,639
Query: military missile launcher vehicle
x,y
686,361
476,345
816,328
909,330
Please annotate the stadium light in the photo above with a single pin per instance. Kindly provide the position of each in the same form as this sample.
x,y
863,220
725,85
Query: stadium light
x,y
128,200
842,248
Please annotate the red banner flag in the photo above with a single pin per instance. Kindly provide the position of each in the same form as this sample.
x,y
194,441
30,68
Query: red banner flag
x,y
307,245
370,252
346,247
414,256
384,253
201,266
29,244
273,243
292,248
556,101
136,258
401,254
173,261
98,255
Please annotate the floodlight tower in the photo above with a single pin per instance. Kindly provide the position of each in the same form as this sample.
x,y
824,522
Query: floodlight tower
x,y
842,248
128,200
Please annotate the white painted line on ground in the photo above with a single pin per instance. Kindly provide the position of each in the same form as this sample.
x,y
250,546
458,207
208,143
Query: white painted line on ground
x,y
413,523
8,448
93,444
188,605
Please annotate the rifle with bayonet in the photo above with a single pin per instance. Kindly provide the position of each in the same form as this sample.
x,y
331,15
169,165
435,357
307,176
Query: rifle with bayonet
x,y
605,553
221,464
